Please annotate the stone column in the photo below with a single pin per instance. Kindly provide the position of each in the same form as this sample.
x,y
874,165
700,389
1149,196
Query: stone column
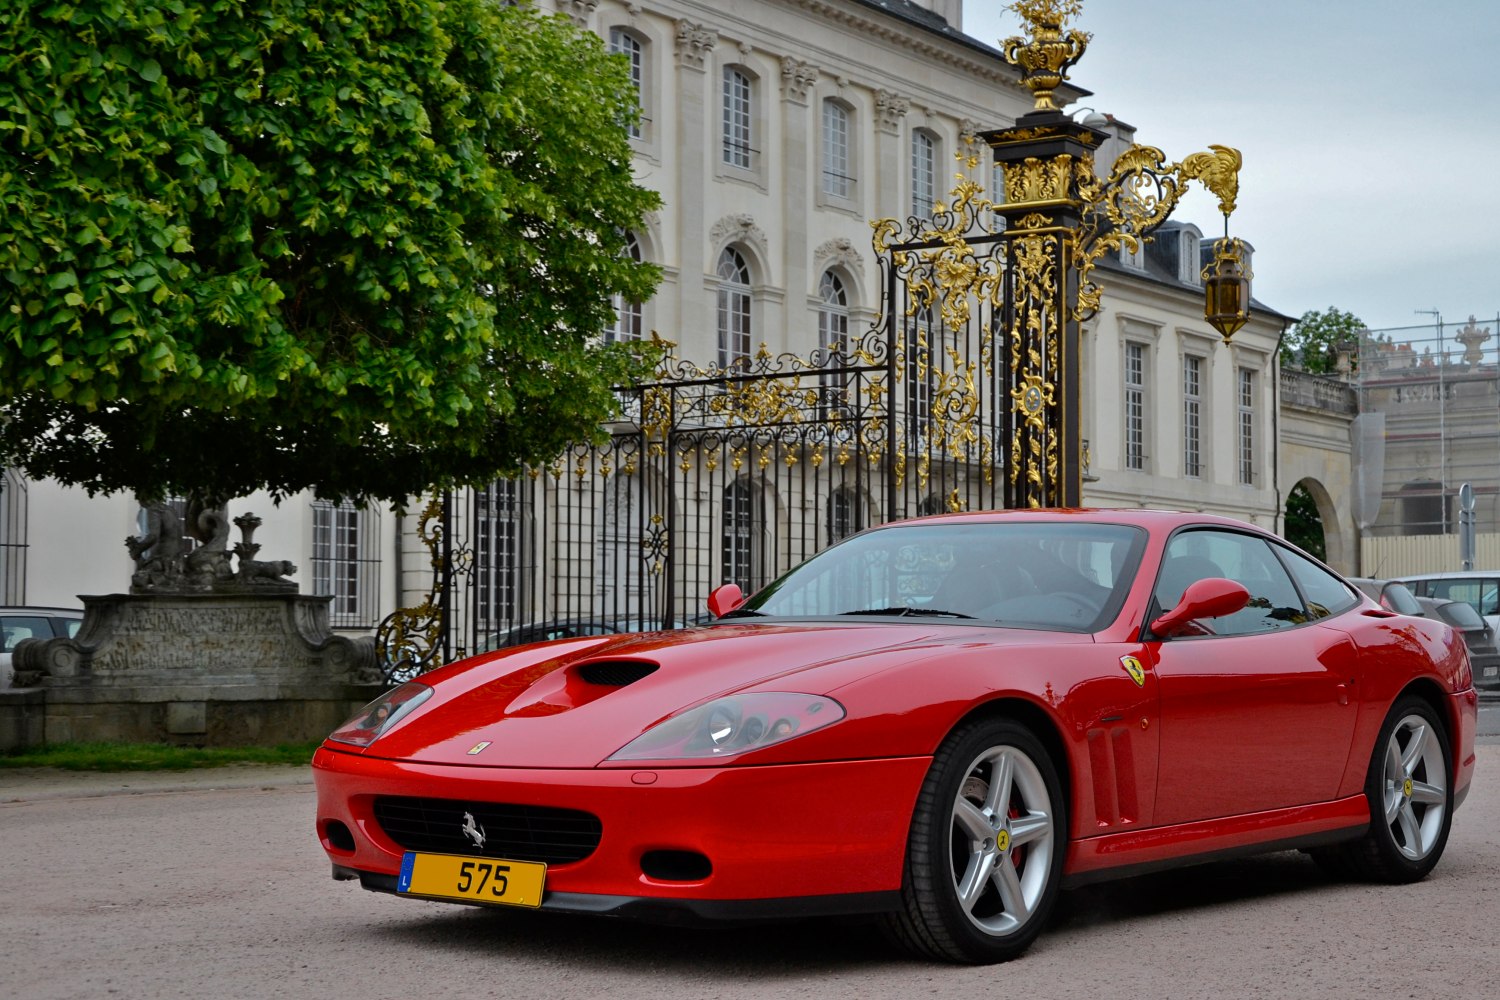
x,y
799,173
696,145
892,161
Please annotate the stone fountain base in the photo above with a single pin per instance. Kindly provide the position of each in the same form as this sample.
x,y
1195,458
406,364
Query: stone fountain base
x,y
210,669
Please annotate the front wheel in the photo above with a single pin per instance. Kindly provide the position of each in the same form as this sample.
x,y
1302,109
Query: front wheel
x,y
1409,789
985,855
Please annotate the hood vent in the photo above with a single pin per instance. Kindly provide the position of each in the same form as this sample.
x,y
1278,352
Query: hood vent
x,y
614,673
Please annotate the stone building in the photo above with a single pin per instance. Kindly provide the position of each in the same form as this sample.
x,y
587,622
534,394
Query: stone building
x,y
776,131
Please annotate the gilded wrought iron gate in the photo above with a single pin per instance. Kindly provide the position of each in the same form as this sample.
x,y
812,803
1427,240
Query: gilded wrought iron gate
x,y
734,474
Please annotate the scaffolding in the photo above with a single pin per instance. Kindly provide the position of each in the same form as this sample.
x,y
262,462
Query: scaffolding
x,y
1429,422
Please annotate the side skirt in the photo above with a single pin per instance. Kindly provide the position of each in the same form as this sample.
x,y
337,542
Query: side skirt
x,y
1137,852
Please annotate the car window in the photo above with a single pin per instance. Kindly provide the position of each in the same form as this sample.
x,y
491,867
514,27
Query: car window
x,y
1324,593
71,626
1479,593
1070,575
1460,614
13,630
1195,555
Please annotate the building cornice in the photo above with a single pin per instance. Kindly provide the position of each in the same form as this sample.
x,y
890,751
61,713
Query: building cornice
x,y
949,51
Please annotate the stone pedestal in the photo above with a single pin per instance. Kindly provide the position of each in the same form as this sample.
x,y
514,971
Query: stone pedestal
x,y
203,669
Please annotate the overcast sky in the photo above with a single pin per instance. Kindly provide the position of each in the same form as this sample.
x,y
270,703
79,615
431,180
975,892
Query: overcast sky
x,y
1370,131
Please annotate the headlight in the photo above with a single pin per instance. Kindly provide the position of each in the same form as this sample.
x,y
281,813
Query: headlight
x,y
372,721
732,725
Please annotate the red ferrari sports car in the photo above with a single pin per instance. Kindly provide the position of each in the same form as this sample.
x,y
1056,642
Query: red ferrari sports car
x,y
942,721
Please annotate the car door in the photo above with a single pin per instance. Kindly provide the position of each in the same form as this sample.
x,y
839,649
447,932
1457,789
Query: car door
x,y
1256,711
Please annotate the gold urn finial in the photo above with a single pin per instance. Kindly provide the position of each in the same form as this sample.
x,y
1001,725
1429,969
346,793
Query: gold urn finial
x,y
1046,58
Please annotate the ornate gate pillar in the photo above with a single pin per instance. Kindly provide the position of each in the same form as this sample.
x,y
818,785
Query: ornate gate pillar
x,y
1060,217
1046,159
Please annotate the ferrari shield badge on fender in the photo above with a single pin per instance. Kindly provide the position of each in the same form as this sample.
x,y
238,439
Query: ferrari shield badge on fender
x,y
478,747
1134,669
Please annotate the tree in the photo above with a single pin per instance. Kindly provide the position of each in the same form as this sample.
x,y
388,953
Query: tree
x,y
364,247
1312,342
1304,525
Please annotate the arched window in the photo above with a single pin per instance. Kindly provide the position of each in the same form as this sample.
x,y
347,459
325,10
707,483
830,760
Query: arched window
x,y
837,182
626,588
629,317
920,377
734,309
923,173
622,42
833,337
742,535
738,118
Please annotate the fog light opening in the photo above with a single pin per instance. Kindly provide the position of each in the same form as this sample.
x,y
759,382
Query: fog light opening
x,y
676,866
337,836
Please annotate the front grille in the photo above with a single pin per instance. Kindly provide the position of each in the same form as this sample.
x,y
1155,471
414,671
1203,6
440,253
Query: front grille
x,y
615,673
522,833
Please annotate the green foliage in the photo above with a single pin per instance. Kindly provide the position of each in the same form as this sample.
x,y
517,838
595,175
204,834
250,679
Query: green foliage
x,y
1304,525
152,756
1312,341
358,246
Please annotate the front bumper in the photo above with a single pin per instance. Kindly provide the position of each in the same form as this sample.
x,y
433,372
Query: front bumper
x,y
777,836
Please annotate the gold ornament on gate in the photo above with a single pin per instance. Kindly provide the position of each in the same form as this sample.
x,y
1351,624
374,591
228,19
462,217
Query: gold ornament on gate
x,y
1049,53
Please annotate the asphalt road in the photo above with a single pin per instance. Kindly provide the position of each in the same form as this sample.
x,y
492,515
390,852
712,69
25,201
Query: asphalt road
x,y
212,885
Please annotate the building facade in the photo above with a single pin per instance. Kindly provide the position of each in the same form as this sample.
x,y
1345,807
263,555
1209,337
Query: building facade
x,y
776,131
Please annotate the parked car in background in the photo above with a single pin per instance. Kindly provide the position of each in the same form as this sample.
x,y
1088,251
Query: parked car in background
x,y
1390,594
571,628
1478,636
1479,589
17,623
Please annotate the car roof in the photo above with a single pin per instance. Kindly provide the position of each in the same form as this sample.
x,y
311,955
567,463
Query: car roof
x,y
38,609
1156,519
1452,574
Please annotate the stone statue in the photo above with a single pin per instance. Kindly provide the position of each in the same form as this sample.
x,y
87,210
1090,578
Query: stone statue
x,y
165,566
157,553
255,575
208,563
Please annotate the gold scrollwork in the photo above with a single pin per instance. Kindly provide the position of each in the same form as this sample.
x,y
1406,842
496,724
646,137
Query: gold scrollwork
x,y
407,641
1038,180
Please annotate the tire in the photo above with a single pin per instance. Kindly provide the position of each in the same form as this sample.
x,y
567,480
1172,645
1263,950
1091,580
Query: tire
x,y
984,858
1410,791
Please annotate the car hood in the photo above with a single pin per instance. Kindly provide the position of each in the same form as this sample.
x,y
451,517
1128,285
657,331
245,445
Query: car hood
x,y
573,703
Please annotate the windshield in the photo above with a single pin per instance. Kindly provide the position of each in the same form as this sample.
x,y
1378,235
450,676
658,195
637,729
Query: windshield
x,y
1066,575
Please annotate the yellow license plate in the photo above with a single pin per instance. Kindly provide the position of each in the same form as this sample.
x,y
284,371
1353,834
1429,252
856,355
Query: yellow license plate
x,y
474,880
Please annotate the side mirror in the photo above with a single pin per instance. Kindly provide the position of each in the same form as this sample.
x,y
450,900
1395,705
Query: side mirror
x,y
1210,598
725,599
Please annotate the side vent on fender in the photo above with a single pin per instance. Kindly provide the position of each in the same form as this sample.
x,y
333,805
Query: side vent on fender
x,y
614,673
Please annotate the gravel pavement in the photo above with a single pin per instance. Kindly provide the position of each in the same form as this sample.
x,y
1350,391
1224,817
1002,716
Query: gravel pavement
x,y
211,884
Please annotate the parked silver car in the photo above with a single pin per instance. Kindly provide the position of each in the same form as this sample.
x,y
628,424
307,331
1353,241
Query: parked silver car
x,y
17,623
1478,588
1484,657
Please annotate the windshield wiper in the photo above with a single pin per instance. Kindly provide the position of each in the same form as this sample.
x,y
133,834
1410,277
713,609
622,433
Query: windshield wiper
x,y
902,610
741,613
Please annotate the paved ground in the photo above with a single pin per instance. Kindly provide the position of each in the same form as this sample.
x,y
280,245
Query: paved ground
x,y
210,884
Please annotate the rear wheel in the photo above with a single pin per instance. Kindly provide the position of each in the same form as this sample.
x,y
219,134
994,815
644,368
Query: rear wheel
x,y
1409,789
984,859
